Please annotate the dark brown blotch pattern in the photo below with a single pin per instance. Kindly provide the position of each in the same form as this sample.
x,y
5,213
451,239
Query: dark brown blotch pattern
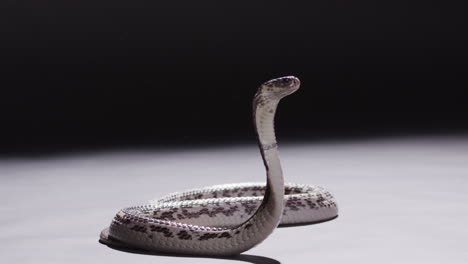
x,y
208,236
139,228
294,204
249,207
160,229
225,234
185,213
184,235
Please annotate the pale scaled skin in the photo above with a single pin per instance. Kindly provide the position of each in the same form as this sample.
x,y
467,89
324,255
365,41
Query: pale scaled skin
x,y
227,219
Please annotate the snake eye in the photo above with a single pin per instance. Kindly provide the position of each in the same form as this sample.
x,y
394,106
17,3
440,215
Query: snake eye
x,y
286,81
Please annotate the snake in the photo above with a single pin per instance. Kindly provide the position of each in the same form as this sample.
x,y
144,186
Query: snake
x,y
228,219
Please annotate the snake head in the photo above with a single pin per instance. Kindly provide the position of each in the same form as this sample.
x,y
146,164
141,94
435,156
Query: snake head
x,y
280,87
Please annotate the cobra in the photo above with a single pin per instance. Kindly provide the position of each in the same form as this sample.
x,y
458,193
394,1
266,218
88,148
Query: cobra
x,y
227,219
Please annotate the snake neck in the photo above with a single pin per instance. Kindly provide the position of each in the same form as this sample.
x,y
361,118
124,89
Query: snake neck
x,y
264,114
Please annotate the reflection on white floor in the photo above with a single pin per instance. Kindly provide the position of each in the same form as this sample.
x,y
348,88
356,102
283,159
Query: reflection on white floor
x,y
401,200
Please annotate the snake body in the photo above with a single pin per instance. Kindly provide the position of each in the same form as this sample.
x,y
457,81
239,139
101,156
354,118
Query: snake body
x,y
227,219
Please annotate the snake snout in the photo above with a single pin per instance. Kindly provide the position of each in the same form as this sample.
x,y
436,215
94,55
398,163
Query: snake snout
x,y
294,82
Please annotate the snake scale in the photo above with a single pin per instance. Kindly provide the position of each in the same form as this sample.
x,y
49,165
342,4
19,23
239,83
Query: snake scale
x,y
227,219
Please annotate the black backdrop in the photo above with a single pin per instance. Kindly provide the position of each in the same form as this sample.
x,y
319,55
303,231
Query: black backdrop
x,y
109,73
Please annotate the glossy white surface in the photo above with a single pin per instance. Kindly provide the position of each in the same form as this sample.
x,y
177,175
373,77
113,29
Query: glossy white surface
x,y
401,201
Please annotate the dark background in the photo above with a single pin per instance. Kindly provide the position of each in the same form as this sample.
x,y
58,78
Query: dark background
x,y
92,74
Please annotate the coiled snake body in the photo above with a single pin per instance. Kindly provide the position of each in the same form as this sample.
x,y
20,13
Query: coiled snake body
x,y
227,219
